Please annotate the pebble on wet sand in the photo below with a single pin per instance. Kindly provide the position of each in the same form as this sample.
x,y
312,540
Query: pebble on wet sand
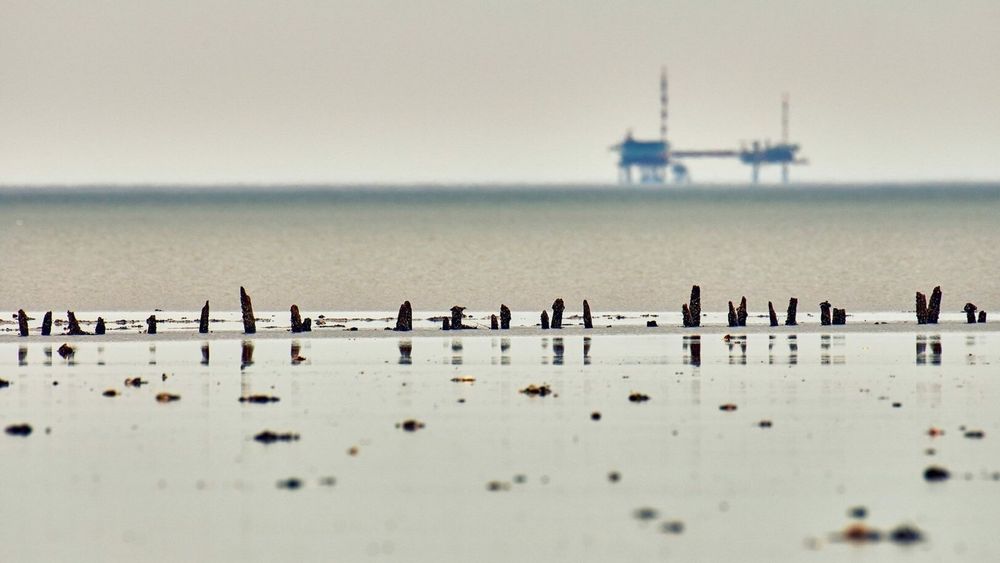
x,y
672,527
19,429
645,513
269,437
259,399
537,390
638,397
765,424
614,476
906,535
495,486
110,393
728,407
410,425
167,397
291,484
595,415
936,473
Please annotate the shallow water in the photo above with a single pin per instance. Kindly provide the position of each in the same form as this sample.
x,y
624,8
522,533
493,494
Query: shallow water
x,y
625,249
128,478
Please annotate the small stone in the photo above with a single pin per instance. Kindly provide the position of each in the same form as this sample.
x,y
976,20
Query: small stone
x,y
595,416
135,382
327,481
495,486
167,397
614,476
651,324
4,383
537,390
728,407
936,473
520,479
858,512
935,432
463,379
897,405
906,535
975,434
110,393
291,484
19,430
765,424
259,399
859,533
672,527
269,437
410,425
645,513
638,397
352,451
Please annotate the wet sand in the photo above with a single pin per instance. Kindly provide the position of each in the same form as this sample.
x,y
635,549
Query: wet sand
x,y
421,447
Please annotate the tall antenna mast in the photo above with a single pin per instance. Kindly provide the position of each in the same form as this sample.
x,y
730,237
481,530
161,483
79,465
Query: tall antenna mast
x,y
663,104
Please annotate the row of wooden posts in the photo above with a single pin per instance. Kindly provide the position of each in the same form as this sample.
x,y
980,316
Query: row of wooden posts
x,y
927,313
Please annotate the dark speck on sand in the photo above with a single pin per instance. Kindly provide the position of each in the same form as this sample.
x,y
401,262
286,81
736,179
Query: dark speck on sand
x,y
19,429
936,473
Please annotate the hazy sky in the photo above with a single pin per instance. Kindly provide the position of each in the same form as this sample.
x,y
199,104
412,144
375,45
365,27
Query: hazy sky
x,y
489,91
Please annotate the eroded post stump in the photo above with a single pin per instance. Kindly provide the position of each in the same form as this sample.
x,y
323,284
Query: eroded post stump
x,y
970,313
557,310
249,322
47,324
741,312
686,313
100,328
588,321
921,309
545,320
151,325
793,305
695,305
824,313
982,316
296,318
445,323
934,308
504,317
307,325
203,321
22,322
456,318
74,325
732,315
839,316
494,322
773,316
404,320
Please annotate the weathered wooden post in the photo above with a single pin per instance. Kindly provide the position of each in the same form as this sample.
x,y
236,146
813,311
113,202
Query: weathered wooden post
x,y
99,328
741,312
824,313
445,323
773,316
151,325
22,322
404,320
921,309
732,315
296,319
47,324
504,317
203,322
307,325
557,310
695,305
545,320
970,313
839,316
588,321
982,316
249,322
494,322
456,318
793,305
686,314
934,308
74,325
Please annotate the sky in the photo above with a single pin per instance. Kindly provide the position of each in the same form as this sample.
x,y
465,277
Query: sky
x,y
478,91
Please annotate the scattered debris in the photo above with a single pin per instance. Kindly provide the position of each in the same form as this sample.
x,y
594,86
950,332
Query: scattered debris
x,y
537,390
494,486
595,415
728,407
638,397
4,383
906,535
167,397
975,434
672,527
327,481
259,399
269,437
463,379
65,351
410,425
859,512
19,429
614,476
765,424
110,393
645,513
292,483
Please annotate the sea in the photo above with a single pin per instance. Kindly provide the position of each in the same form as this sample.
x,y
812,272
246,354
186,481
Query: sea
x,y
367,248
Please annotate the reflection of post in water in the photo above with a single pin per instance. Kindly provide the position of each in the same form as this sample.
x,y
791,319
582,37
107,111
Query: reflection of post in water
x,y
770,348
204,353
100,355
246,354
935,346
47,352
505,351
558,351
295,352
737,344
152,354
824,346
405,351
456,351
586,350
22,355
793,349
692,348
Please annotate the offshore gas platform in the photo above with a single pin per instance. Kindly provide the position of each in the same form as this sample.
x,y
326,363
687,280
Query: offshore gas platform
x,y
648,162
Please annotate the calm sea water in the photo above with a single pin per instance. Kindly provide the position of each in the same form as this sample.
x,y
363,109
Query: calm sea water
x,y
861,247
